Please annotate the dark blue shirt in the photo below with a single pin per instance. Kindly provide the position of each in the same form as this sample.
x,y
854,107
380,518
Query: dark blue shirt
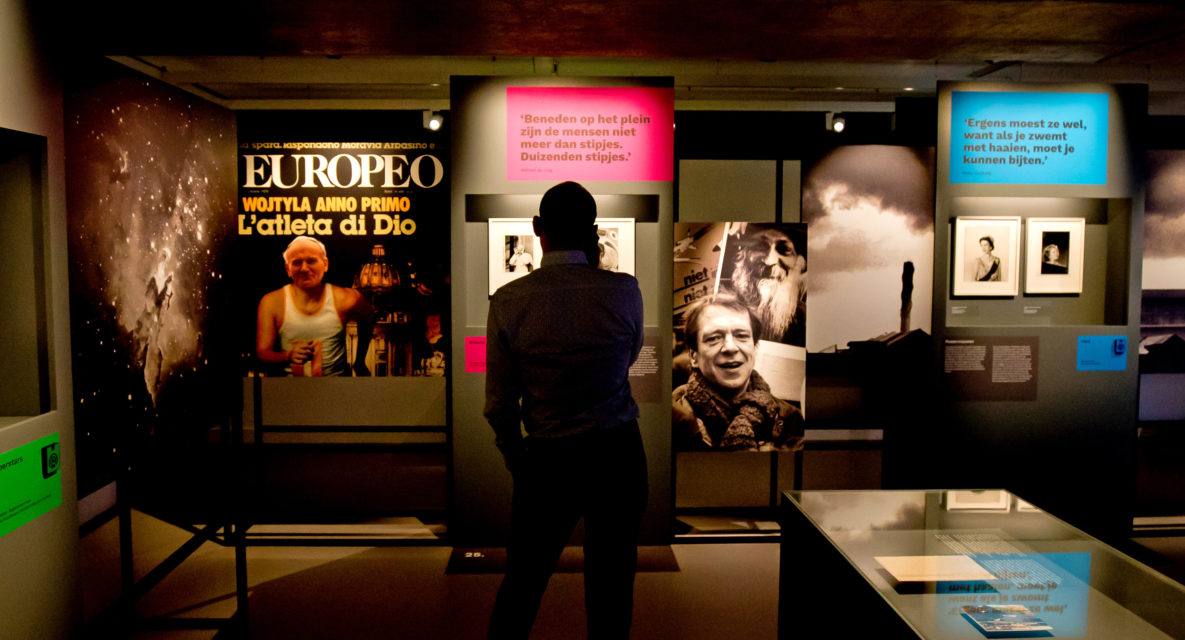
x,y
560,342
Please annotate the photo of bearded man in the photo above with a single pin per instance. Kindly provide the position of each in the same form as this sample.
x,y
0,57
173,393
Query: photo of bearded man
x,y
768,273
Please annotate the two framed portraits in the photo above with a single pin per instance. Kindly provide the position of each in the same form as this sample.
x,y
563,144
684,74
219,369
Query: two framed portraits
x,y
514,251
987,253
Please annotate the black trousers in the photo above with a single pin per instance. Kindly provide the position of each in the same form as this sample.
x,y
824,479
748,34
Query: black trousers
x,y
601,476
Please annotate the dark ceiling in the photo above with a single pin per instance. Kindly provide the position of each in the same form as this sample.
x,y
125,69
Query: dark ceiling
x,y
766,54
841,30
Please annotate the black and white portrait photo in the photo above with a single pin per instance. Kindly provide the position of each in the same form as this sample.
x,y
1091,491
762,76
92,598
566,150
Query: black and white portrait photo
x,y
615,244
1055,251
514,250
520,251
607,243
765,266
1054,255
739,320
986,256
984,266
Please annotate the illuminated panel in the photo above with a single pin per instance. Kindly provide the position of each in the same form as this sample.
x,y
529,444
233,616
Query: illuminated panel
x,y
590,133
1028,138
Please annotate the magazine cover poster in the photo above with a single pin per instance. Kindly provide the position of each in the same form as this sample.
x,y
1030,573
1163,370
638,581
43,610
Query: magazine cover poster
x,y
739,318
341,244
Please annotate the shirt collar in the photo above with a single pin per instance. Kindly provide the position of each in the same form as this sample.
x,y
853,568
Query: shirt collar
x,y
563,257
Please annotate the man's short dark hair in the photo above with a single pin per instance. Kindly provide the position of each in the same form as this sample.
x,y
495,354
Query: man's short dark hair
x,y
725,300
567,213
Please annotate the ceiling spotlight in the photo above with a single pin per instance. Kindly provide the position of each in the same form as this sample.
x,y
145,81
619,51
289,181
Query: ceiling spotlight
x,y
909,88
835,123
433,120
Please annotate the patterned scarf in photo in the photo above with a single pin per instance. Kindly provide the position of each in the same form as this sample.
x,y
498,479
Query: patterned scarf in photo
x,y
752,418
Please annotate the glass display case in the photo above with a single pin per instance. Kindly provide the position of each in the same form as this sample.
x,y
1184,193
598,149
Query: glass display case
x,y
959,564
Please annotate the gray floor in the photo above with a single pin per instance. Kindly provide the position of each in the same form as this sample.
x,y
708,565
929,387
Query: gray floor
x,y
720,591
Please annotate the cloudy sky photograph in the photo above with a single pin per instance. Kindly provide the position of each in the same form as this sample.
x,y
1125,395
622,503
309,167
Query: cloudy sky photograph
x,y
1164,221
864,511
868,209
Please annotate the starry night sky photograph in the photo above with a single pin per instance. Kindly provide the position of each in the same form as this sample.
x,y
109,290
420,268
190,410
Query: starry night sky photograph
x,y
150,207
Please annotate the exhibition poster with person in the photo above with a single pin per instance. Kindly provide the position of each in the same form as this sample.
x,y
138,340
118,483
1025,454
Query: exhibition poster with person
x,y
341,244
740,333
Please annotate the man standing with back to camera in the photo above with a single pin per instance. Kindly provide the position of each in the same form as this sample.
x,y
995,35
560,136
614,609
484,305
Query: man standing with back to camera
x,y
560,343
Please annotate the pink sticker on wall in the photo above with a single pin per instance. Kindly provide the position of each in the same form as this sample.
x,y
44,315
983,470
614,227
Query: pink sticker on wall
x,y
475,354
590,133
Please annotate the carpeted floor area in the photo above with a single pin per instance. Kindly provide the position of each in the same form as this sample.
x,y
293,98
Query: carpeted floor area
x,y
686,592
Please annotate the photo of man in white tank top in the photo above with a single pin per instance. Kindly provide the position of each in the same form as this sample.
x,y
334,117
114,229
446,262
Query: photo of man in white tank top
x,y
303,324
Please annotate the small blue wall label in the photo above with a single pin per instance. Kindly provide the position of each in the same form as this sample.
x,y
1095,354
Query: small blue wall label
x,y
1102,353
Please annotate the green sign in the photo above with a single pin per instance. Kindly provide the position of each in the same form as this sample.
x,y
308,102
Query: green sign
x,y
29,482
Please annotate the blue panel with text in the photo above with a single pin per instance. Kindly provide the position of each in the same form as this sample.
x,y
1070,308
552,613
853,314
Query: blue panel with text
x,y
999,137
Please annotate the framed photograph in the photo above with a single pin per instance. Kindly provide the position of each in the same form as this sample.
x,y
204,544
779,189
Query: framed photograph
x,y
987,256
1053,254
514,250
616,242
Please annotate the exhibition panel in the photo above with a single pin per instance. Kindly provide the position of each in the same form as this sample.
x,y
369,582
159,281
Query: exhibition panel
x,y
961,564
725,484
513,138
40,584
866,206
1038,185
355,430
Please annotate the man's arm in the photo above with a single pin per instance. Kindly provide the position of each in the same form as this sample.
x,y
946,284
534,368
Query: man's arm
x,y
636,312
504,392
267,321
354,306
